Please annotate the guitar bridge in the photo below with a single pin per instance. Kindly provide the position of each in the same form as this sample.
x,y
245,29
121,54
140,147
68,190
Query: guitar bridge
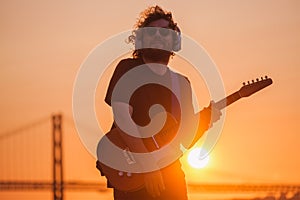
x,y
129,157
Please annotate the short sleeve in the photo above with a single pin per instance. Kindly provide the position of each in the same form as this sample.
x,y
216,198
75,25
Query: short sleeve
x,y
122,67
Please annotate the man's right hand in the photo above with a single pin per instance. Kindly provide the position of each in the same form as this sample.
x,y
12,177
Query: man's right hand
x,y
208,116
154,183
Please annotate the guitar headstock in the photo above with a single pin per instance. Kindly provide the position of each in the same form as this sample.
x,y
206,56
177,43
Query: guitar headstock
x,y
252,87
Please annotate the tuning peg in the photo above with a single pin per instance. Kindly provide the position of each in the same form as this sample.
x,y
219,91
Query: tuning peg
x,y
244,83
121,173
252,81
248,82
257,80
266,77
262,78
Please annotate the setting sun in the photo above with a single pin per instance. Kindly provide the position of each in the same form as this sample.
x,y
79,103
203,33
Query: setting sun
x,y
195,160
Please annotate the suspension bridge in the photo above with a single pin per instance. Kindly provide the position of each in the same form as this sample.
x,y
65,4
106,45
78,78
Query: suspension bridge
x,y
33,159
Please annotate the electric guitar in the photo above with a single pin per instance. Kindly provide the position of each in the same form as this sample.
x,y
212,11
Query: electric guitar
x,y
126,181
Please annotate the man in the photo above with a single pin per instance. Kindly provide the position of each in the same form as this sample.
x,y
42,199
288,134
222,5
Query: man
x,y
156,38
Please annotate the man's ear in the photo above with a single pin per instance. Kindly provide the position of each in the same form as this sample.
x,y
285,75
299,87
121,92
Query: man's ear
x,y
177,39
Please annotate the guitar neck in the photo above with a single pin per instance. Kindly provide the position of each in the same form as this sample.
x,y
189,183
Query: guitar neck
x,y
228,100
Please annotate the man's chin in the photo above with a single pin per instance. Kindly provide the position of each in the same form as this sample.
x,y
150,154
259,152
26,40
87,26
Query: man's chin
x,y
156,55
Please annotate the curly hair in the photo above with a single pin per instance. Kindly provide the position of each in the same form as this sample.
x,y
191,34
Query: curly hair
x,y
149,15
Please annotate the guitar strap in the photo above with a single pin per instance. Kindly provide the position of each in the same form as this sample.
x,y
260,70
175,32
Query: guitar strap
x,y
175,90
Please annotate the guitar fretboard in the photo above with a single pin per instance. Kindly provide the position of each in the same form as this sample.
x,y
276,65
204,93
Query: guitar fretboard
x,y
228,100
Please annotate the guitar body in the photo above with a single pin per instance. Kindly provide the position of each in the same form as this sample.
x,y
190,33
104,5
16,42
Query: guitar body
x,y
120,180
123,180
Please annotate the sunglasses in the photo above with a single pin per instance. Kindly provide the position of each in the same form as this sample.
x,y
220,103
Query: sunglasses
x,y
151,31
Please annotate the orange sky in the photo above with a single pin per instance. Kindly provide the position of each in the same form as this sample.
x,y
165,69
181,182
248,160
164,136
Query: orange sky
x,y
43,44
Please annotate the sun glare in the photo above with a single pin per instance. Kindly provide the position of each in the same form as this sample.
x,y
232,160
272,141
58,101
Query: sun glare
x,y
194,159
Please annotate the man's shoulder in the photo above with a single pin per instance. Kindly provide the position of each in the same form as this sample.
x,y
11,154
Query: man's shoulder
x,y
130,62
179,76
126,64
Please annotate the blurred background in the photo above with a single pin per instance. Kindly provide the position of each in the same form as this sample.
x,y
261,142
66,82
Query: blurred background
x,y
44,43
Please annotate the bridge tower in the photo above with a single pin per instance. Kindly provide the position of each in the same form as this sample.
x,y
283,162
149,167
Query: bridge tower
x,y
57,157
